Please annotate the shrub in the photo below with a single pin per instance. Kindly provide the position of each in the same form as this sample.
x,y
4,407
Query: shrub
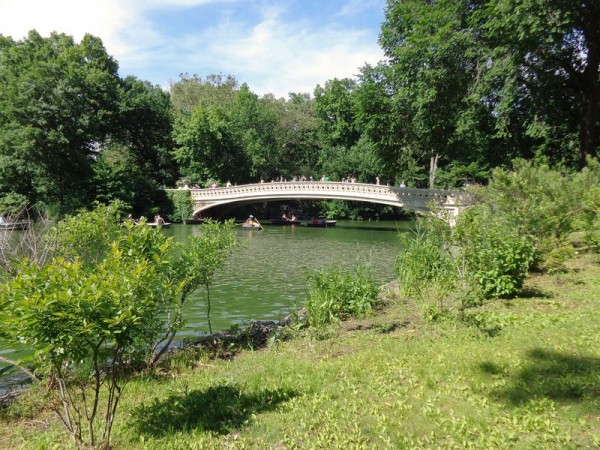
x,y
544,203
496,256
426,268
182,204
100,306
334,295
592,237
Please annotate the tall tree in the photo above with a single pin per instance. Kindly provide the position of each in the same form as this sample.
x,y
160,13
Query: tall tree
x,y
57,105
336,110
546,54
486,81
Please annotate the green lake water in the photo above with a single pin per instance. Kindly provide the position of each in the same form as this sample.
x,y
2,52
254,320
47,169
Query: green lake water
x,y
265,279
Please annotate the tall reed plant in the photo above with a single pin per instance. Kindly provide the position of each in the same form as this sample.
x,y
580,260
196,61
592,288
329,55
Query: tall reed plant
x,y
426,268
334,295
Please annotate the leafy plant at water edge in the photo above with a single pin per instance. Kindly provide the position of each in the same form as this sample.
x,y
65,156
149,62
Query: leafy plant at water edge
x,y
544,203
425,267
85,327
91,318
334,295
182,204
196,265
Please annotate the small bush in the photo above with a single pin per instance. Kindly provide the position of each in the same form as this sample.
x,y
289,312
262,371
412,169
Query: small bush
x,y
182,204
423,260
334,295
496,257
592,235
426,269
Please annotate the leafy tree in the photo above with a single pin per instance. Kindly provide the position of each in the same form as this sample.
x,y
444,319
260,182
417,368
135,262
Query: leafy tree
x,y
146,127
207,147
57,104
113,292
336,110
545,56
485,82
297,137
191,91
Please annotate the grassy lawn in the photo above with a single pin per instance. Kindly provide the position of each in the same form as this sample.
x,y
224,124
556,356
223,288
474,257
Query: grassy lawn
x,y
524,374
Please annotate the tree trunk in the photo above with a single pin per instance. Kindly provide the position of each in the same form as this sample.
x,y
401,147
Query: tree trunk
x,y
590,107
432,169
590,96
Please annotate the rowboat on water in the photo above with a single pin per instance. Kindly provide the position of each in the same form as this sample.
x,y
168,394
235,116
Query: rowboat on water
x,y
285,222
194,221
251,226
322,223
5,225
252,223
159,225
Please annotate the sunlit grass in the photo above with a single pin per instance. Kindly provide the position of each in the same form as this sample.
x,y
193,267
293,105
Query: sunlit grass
x,y
387,381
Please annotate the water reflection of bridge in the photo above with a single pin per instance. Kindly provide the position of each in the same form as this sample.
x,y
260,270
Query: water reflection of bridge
x,y
420,200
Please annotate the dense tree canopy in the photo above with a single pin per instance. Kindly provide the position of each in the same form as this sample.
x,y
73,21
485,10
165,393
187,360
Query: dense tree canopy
x,y
71,130
483,82
466,86
57,105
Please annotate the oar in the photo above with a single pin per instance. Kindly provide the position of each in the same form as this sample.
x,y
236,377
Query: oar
x,y
259,224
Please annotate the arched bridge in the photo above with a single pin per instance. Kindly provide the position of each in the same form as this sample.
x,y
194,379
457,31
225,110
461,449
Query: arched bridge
x,y
408,198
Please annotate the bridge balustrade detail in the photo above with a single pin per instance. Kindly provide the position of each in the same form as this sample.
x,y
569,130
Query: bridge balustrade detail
x,y
408,198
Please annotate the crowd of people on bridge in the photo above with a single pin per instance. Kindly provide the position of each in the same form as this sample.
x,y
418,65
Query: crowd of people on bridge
x,y
281,179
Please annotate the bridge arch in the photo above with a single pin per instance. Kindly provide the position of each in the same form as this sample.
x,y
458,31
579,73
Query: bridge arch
x,y
419,200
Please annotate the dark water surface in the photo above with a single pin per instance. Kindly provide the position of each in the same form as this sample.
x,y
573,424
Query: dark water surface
x,y
265,279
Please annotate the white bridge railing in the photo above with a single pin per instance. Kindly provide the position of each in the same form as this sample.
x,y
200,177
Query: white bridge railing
x,y
409,198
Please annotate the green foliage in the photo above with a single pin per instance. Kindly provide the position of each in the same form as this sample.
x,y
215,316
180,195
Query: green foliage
x,y
423,260
446,269
592,236
336,110
502,79
88,235
182,204
426,270
544,203
98,308
496,256
58,101
12,203
201,256
86,327
334,295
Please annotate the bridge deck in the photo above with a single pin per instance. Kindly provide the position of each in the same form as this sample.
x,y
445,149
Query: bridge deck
x,y
409,198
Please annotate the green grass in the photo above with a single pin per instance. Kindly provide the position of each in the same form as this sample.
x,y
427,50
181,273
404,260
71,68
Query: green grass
x,y
387,381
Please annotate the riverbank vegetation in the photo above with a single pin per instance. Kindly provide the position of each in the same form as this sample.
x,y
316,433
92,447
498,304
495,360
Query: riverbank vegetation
x,y
106,301
391,380
486,340
490,338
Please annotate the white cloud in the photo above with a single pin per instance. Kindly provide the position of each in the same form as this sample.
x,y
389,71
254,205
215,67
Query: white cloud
x,y
271,55
103,18
353,7
278,57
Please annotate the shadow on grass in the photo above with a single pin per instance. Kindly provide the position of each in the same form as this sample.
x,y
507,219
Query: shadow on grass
x,y
218,409
550,374
533,292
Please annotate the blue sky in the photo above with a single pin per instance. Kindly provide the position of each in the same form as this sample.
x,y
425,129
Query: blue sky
x,y
274,46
